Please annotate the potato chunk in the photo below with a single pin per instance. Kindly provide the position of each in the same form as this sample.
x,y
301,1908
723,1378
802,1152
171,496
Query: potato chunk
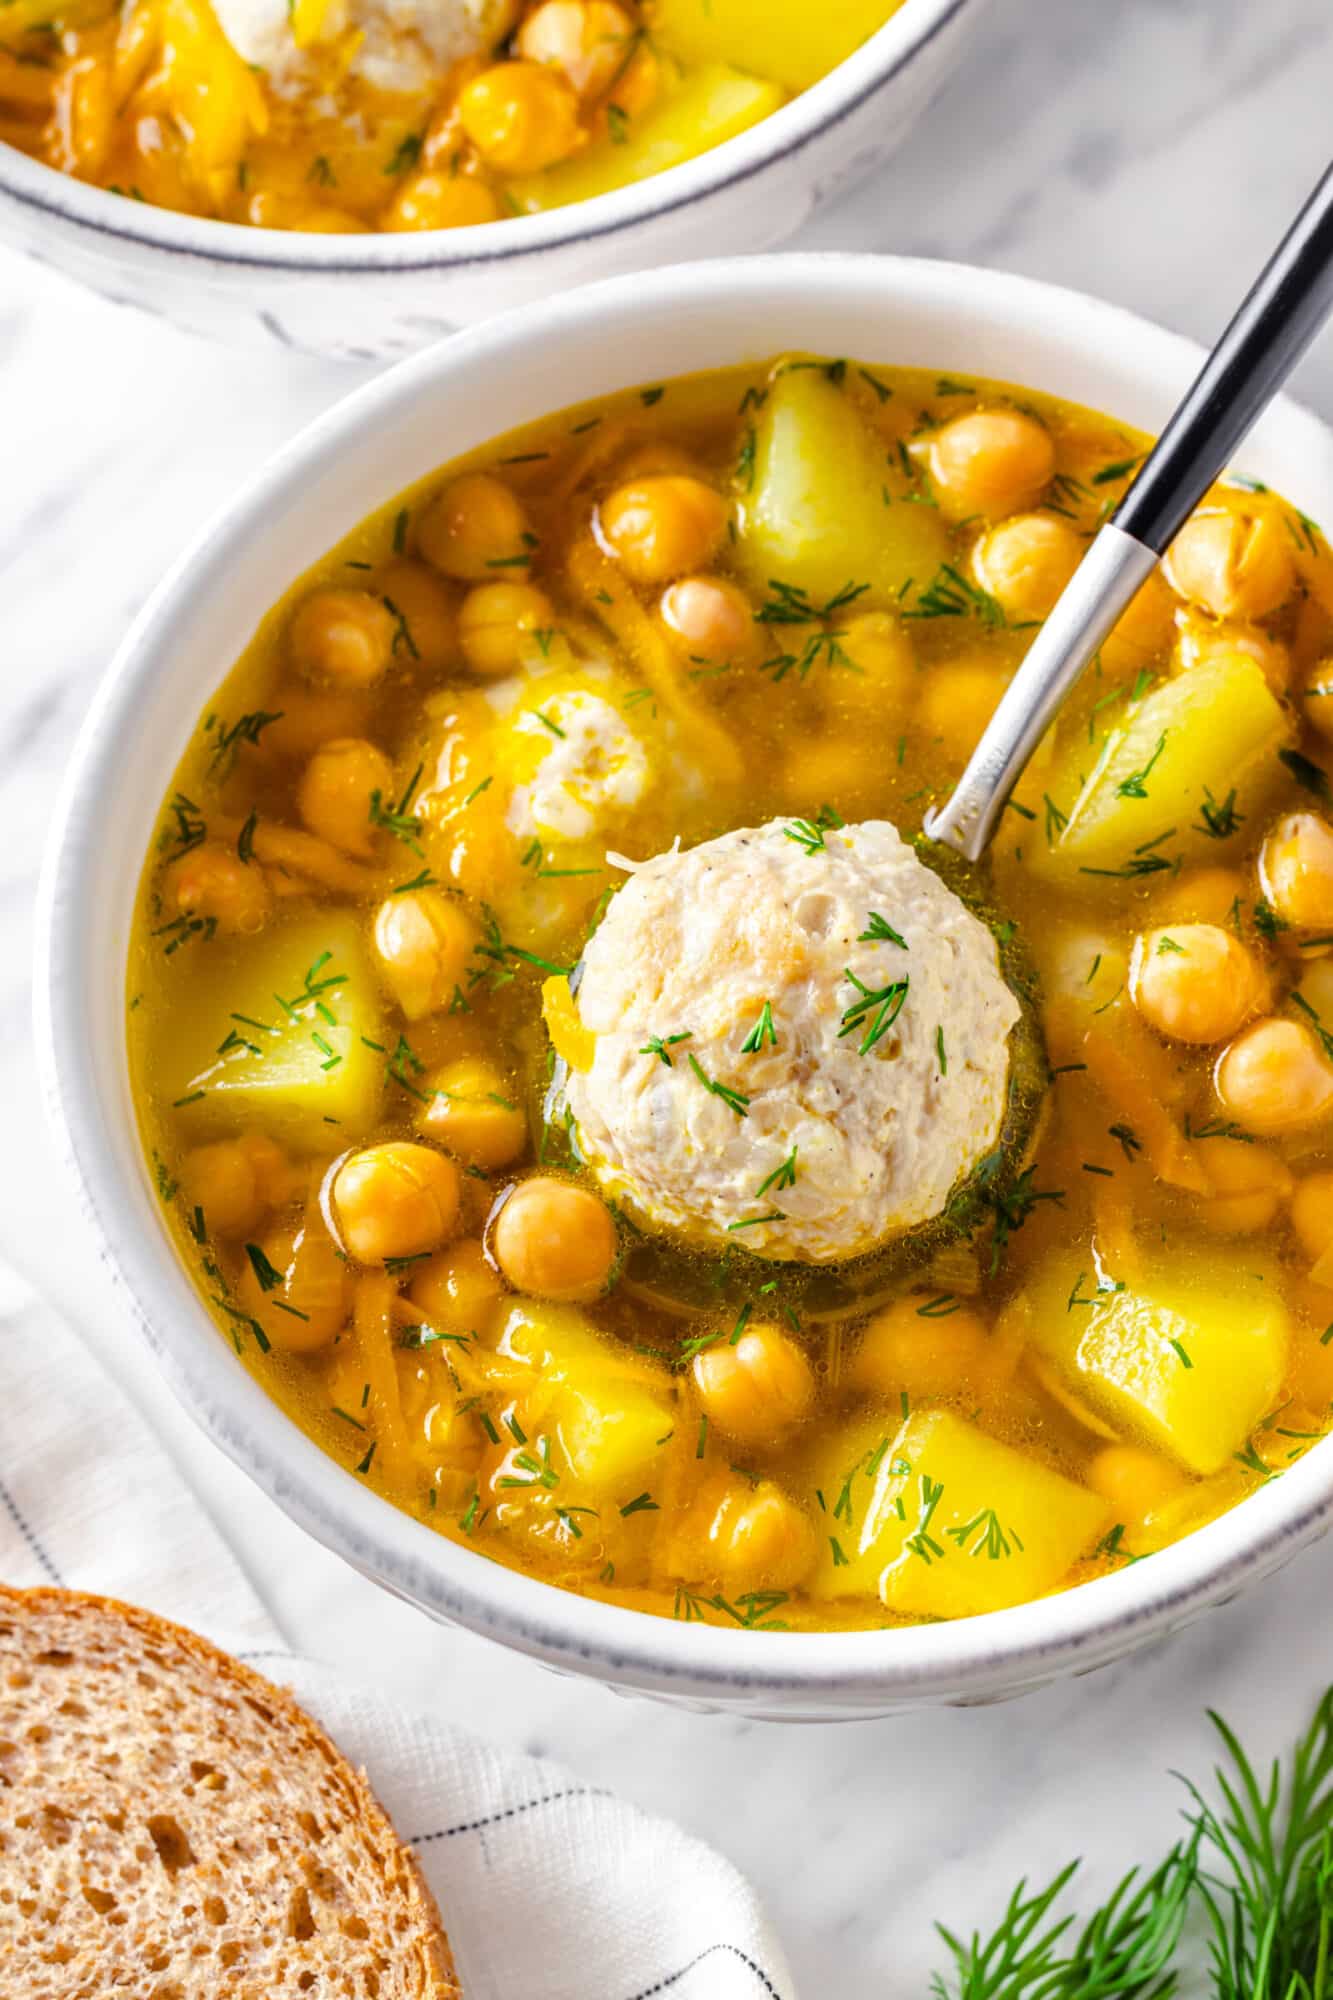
x,y
708,107
1203,743
815,517
611,1434
610,1409
1187,1359
942,1521
276,1031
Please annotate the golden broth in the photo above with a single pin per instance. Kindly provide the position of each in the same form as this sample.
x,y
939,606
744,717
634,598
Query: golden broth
x,y
152,101
1131,1339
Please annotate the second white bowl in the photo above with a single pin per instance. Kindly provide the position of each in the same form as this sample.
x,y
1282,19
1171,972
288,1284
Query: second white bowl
x,y
374,297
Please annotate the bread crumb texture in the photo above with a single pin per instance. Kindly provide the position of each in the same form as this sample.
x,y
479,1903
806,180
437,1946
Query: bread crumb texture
x,y
172,1826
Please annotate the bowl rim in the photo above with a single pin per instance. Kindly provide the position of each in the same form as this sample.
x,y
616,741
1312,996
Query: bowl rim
x,y
1008,1649
484,246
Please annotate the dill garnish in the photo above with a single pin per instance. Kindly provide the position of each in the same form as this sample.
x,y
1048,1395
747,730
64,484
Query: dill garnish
x,y
661,1046
881,1005
1307,774
879,930
782,1177
1135,786
399,820
762,1032
229,738
1218,821
950,594
734,1100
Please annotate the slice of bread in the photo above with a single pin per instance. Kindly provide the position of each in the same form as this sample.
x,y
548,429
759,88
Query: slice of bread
x,y
174,1827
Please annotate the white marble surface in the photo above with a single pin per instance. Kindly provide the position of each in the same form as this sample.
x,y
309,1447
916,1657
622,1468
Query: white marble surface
x,y
1149,150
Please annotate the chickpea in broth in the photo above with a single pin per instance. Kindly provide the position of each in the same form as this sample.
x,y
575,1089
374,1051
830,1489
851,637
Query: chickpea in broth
x,y
540,852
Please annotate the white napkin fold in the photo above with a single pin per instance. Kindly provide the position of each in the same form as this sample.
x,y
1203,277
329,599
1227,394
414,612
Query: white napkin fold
x,y
547,1885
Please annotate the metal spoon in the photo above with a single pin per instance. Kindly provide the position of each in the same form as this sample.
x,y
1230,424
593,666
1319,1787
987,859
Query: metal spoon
x,y
1280,316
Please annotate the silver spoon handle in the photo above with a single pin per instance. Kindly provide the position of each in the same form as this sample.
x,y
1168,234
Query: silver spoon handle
x,y
1113,570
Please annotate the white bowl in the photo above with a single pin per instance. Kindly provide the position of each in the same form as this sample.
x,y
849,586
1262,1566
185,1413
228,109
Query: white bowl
x,y
383,438
373,297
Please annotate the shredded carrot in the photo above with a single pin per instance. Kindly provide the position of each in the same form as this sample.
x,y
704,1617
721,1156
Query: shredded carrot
x,y
602,446
294,852
598,583
373,1319
1165,1146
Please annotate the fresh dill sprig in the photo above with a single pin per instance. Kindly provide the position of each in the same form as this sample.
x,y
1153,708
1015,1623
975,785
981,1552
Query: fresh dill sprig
x,y
735,1100
762,1032
662,1045
879,930
950,594
880,1006
399,819
1257,1867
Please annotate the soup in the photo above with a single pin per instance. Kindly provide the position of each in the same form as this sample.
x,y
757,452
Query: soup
x,y
611,1131
352,115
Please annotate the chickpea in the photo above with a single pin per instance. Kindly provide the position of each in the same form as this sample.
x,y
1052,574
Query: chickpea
x,y
956,702
554,1240
1296,871
586,39
881,656
654,457
1195,982
470,1112
1274,1079
1248,1185
457,1288
1133,1481
342,636
473,527
312,1280
1233,559
441,201
521,117
311,717
990,462
1312,1214
213,883
1201,895
336,791
925,1354
423,942
1025,563
661,527
496,624
236,1182
757,1388
394,1200
1143,631
759,1539
425,637
711,620
1200,642
1317,703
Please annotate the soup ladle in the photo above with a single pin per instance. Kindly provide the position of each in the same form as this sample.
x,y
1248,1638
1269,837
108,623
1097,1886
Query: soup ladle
x,y
1279,317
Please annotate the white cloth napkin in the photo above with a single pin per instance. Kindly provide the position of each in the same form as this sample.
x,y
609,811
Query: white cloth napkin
x,y
547,1886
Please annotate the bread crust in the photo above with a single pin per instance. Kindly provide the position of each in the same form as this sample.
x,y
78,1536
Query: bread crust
x,y
174,1825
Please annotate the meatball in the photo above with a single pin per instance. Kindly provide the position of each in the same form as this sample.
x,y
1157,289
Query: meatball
x,y
800,1042
403,44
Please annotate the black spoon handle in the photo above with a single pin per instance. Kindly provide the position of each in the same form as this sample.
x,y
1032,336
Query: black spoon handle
x,y
1280,316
